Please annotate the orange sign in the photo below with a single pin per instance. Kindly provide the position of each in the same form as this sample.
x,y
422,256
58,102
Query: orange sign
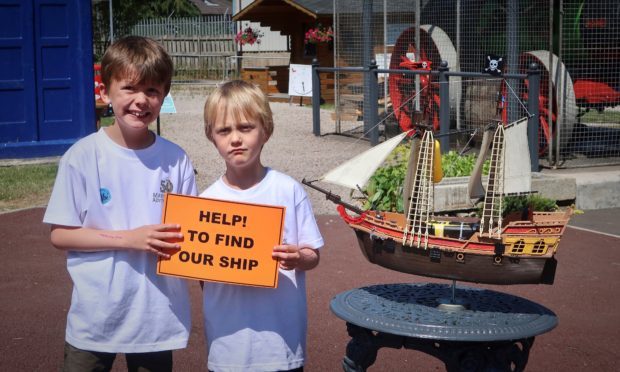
x,y
223,241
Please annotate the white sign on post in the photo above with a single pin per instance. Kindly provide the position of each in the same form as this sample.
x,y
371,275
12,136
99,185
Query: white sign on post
x,y
383,62
168,106
300,80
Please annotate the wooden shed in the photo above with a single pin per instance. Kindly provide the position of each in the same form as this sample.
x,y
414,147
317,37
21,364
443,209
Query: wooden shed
x,y
293,18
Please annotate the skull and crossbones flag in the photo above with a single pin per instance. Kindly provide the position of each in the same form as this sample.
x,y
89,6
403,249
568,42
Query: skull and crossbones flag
x,y
494,64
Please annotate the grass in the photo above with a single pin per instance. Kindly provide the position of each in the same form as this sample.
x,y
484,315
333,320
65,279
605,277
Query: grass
x,y
23,186
30,185
106,121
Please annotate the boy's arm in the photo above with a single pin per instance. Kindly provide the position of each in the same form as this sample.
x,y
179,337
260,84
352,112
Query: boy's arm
x,y
150,238
294,257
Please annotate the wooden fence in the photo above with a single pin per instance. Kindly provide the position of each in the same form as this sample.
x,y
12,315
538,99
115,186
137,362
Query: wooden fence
x,y
188,26
203,48
199,57
200,47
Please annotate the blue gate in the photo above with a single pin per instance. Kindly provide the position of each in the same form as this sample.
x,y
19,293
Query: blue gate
x,y
46,76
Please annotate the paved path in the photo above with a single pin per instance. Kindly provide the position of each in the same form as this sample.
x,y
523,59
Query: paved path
x,y
35,291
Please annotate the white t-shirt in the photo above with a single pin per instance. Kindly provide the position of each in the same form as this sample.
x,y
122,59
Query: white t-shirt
x,y
262,329
119,303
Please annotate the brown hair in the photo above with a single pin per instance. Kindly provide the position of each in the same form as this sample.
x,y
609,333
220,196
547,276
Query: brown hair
x,y
239,97
139,57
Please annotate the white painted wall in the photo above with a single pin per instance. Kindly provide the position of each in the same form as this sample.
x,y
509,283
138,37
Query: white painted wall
x,y
270,42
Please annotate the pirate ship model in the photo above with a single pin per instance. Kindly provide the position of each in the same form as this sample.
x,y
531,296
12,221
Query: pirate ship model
x,y
490,249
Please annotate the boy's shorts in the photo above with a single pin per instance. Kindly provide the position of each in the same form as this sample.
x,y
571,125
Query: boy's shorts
x,y
78,360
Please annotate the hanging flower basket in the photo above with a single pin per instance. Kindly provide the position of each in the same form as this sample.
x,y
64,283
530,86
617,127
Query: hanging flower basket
x,y
248,36
319,34
309,50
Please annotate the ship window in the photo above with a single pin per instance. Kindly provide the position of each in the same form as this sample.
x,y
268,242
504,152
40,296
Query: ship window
x,y
539,247
518,246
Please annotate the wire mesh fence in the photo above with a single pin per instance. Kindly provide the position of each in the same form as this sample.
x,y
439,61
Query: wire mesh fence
x,y
573,39
590,52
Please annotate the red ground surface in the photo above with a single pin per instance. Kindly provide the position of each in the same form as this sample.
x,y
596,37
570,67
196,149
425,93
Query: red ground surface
x,y
35,293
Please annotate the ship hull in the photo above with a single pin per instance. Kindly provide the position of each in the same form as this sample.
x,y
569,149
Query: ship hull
x,y
462,266
522,253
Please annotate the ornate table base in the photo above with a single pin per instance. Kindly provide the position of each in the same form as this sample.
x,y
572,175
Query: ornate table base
x,y
492,331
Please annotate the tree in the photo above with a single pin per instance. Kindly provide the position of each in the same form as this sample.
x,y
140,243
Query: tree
x,y
180,8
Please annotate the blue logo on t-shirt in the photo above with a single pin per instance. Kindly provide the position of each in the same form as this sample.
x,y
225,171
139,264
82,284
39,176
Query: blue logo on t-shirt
x,y
105,195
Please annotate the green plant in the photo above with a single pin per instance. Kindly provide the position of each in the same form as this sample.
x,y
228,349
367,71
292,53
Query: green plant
x,y
518,204
384,189
455,165
534,202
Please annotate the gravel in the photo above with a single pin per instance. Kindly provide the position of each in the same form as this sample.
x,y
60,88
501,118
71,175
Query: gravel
x,y
293,148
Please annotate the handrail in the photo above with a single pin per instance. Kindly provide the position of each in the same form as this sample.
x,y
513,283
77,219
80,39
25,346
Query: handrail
x,y
371,94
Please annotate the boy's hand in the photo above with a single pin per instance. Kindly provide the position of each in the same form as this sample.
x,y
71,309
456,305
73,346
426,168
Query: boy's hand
x,y
294,257
155,238
151,238
288,255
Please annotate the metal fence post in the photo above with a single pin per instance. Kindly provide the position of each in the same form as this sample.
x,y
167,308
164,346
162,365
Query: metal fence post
x,y
316,98
444,107
371,108
533,77
512,55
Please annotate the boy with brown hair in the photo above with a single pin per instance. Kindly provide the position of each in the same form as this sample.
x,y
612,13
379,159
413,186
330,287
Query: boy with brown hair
x,y
252,328
105,211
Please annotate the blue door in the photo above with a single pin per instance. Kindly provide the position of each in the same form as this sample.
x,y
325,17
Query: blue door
x,y
18,104
46,76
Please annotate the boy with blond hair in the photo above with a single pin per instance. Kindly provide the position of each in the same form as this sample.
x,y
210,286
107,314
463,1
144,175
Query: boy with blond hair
x,y
105,211
251,328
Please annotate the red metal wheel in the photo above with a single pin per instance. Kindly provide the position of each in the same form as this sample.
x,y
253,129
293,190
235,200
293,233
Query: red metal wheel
x,y
434,46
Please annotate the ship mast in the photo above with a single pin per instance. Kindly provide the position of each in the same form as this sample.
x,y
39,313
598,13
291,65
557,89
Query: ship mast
x,y
493,200
421,202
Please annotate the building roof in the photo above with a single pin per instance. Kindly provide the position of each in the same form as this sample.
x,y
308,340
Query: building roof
x,y
318,8
312,8
211,7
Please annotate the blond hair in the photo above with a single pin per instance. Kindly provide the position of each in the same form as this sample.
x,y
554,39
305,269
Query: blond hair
x,y
138,58
238,97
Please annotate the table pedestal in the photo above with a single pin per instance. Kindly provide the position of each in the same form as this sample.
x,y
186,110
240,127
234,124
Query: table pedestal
x,y
493,331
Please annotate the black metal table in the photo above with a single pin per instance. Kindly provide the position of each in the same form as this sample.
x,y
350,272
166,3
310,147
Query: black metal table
x,y
468,329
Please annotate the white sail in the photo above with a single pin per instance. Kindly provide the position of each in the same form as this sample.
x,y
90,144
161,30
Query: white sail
x,y
474,186
517,166
359,169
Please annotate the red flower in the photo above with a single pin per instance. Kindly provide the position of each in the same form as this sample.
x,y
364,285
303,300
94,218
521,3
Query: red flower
x,y
248,36
318,35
